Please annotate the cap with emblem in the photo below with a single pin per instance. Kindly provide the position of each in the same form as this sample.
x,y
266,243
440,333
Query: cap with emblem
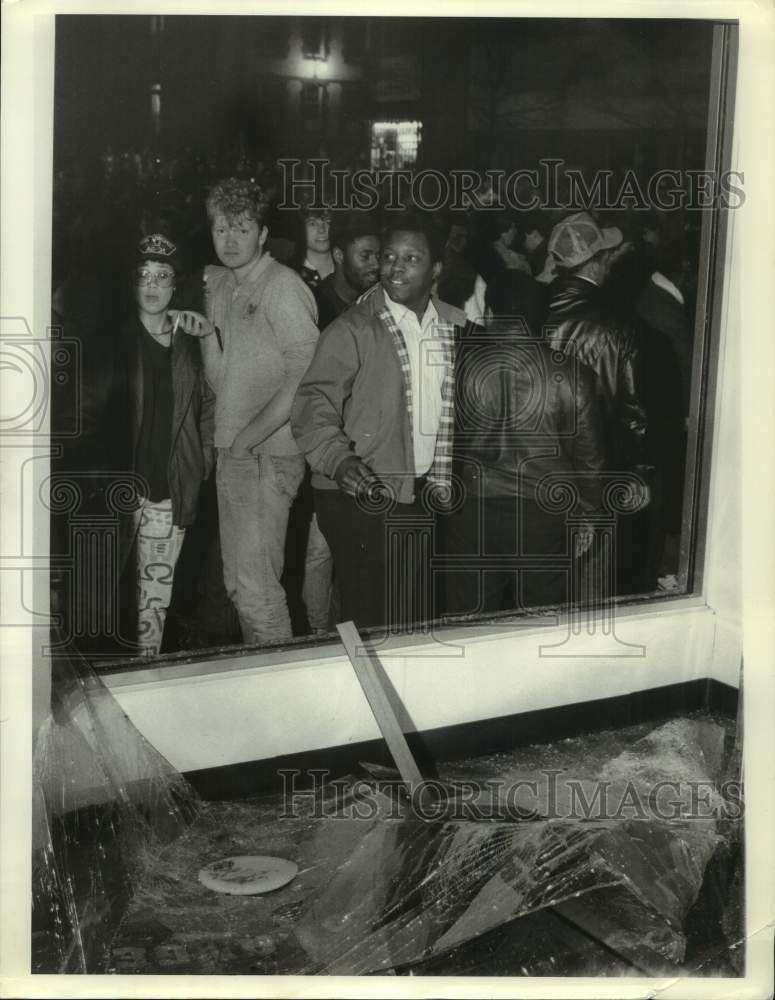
x,y
159,248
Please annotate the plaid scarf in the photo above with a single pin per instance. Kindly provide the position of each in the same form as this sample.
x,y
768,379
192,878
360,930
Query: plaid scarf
x,y
440,472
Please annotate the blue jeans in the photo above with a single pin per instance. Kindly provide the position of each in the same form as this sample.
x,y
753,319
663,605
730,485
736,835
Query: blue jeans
x,y
254,498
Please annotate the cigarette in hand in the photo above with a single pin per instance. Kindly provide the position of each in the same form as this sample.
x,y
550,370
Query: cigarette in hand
x,y
175,324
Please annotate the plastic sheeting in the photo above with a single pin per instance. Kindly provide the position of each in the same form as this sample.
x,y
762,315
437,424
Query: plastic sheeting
x,y
103,801
412,890
537,891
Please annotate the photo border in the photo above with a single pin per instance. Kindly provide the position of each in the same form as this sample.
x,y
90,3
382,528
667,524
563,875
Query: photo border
x,y
27,114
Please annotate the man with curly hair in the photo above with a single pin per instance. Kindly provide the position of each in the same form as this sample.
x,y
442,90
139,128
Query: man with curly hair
x,y
264,318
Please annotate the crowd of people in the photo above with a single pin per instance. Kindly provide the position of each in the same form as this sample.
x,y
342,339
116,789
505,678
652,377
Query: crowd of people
x,y
342,415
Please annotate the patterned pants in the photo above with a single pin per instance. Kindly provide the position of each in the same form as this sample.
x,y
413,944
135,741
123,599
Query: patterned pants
x,y
157,544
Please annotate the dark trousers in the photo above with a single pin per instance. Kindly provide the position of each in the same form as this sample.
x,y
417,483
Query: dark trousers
x,y
513,554
381,559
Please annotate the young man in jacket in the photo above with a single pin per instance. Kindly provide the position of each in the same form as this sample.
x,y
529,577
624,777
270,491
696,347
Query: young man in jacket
x,y
375,409
583,323
527,430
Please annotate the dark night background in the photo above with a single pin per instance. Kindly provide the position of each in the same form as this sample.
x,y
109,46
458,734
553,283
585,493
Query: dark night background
x,y
151,110
489,92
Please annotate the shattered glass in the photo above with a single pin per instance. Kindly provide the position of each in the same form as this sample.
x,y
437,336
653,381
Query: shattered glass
x,y
412,890
104,800
611,853
557,883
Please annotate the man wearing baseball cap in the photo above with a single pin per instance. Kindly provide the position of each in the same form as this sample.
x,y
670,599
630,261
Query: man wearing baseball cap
x,y
582,322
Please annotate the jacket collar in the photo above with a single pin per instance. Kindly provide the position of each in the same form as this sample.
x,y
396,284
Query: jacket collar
x,y
184,373
399,311
374,300
258,267
567,290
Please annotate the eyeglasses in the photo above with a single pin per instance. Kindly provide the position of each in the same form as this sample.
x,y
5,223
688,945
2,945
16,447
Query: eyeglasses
x,y
161,278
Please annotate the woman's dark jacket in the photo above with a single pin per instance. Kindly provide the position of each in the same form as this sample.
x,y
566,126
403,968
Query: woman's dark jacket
x,y
191,442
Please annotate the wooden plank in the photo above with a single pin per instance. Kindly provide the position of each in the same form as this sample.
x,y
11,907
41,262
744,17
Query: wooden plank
x,y
367,669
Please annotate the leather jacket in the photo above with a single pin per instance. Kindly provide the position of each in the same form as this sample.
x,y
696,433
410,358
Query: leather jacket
x,y
191,455
581,322
526,417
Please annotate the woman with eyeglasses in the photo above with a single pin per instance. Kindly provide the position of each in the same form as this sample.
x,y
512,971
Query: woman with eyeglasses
x,y
160,424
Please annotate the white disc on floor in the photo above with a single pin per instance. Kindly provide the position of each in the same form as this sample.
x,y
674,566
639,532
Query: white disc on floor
x,y
248,875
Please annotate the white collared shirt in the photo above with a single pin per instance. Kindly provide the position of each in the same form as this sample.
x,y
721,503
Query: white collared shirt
x,y
427,376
